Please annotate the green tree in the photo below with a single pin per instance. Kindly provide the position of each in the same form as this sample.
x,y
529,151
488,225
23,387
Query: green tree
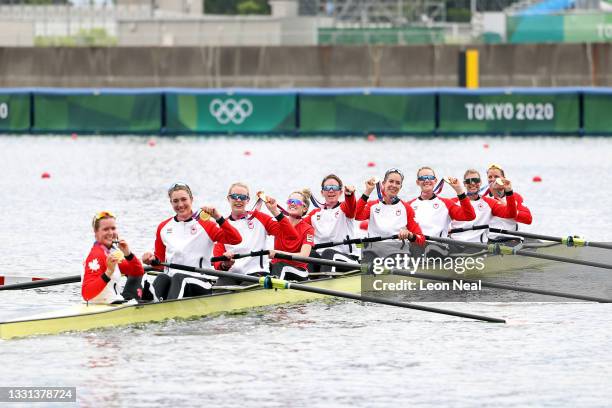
x,y
234,7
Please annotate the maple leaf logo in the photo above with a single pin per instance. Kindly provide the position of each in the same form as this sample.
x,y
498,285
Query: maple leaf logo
x,y
94,265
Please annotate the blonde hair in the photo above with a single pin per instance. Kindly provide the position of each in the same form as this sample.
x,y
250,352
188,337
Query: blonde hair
x,y
496,167
306,194
468,171
239,184
426,168
102,215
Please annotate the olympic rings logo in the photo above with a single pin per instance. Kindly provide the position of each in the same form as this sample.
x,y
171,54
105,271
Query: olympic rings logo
x,y
231,111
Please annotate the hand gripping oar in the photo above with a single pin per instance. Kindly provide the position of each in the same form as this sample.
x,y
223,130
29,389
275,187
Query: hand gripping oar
x,y
316,246
569,241
269,282
427,276
500,249
55,281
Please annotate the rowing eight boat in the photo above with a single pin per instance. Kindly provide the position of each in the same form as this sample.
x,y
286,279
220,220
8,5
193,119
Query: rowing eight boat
x,y
85,317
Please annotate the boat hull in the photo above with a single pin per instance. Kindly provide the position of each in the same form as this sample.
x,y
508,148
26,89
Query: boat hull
x,y
86,317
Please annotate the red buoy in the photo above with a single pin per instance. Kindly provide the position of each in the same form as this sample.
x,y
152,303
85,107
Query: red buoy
x,y
371,137
247,152
364,225
537,179
485,146
45,175
371,164
74,136
152,142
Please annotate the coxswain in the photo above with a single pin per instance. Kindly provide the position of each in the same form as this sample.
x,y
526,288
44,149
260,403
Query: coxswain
x,y
109,258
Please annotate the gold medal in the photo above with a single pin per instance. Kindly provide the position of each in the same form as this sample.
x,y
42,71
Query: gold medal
x,y
499,182
118,255
262,196
204,216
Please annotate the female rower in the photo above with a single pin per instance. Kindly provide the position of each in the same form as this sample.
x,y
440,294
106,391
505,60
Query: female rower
x,y
523,215
485,208
297,207
389,216
434,213
101,279
334,220
254,228
187,239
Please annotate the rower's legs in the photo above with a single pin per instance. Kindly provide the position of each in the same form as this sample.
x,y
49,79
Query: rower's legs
x,y
338,256
314,267
288,272
132,286
161,286
183,286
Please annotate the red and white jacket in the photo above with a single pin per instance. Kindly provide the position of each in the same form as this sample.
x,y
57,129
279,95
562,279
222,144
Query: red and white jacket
x,y
96,286
254,234
434,215
334,224
305,234
191,242
485,208
388,219
523,216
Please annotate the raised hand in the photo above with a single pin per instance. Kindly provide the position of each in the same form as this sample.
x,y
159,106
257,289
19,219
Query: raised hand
x,y
272,206
455,184
370,184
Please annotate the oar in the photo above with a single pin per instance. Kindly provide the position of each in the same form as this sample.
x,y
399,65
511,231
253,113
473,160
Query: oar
x,y
58,281
427,276
500,249
274,283
238,256
473,228
500,286
42,283
353,241
569,241
316,246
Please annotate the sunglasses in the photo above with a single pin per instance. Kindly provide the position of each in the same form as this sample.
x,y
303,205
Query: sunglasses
x,y
241,197
394,170
178,186
294,201
331,188
472,180
104,214
426,177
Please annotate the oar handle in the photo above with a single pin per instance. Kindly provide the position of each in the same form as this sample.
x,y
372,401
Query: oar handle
x,y
238,256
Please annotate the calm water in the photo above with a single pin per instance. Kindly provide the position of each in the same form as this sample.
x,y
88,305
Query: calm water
x,y
332,353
